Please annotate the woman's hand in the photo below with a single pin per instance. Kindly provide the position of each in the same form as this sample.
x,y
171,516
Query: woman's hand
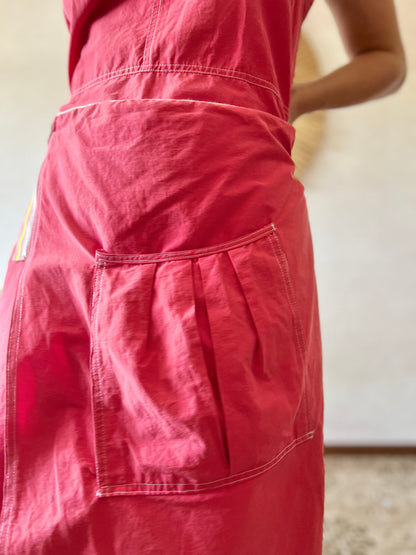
x,y
371,37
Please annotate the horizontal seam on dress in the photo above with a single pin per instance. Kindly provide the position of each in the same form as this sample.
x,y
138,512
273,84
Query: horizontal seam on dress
x,y
150,67
163,100
225,481
109,258
171,68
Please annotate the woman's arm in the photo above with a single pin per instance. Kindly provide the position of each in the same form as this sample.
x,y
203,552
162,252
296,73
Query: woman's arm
x,y
377,66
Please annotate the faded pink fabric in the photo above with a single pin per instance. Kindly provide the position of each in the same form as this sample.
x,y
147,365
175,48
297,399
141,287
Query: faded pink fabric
x,y
160,344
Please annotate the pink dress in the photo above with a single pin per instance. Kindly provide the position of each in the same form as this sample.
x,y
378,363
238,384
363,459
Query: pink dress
x,y
160,348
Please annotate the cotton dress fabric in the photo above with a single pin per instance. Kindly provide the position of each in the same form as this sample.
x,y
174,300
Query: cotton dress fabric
x,y
160,348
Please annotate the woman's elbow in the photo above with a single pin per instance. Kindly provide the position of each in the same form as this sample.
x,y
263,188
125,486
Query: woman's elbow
x,y
395,67
399,72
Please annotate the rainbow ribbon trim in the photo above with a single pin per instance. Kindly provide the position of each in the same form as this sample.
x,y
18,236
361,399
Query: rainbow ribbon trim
x,y
21,248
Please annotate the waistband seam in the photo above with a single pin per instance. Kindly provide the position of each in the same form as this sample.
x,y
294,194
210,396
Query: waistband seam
x,y
186,68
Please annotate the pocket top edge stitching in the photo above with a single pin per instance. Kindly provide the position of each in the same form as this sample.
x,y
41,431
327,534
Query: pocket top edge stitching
x,y
102,256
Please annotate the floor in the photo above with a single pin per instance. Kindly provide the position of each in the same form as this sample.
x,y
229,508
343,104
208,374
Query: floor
x,y
370,505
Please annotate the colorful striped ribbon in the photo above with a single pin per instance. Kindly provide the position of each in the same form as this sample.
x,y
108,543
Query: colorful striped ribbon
x,y
21,248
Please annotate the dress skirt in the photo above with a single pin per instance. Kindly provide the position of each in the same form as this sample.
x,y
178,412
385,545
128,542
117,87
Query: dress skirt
x,y
160,351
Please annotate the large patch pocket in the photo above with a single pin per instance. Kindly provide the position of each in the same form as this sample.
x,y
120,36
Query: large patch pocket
x,y
198,366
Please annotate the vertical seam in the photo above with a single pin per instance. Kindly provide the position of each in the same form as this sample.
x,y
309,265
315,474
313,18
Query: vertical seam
x,y
101,455
154,33
10,419
300,340
148,33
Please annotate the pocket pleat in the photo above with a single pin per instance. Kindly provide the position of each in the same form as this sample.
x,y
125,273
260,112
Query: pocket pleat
x,y
266,297
205,336
257,363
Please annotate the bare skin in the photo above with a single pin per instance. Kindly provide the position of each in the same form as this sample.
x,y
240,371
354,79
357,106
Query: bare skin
x,y
377,67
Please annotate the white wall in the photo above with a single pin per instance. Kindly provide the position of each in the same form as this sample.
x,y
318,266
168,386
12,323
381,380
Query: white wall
x,y
33,84
362,205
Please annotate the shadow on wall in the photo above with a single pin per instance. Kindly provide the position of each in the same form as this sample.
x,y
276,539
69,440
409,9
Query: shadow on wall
x,y
309,127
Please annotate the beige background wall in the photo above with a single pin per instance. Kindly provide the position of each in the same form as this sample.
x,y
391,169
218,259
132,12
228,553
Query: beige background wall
x,y
362,203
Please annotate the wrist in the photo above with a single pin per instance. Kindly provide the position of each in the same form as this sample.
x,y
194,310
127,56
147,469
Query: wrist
x,y
298,101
